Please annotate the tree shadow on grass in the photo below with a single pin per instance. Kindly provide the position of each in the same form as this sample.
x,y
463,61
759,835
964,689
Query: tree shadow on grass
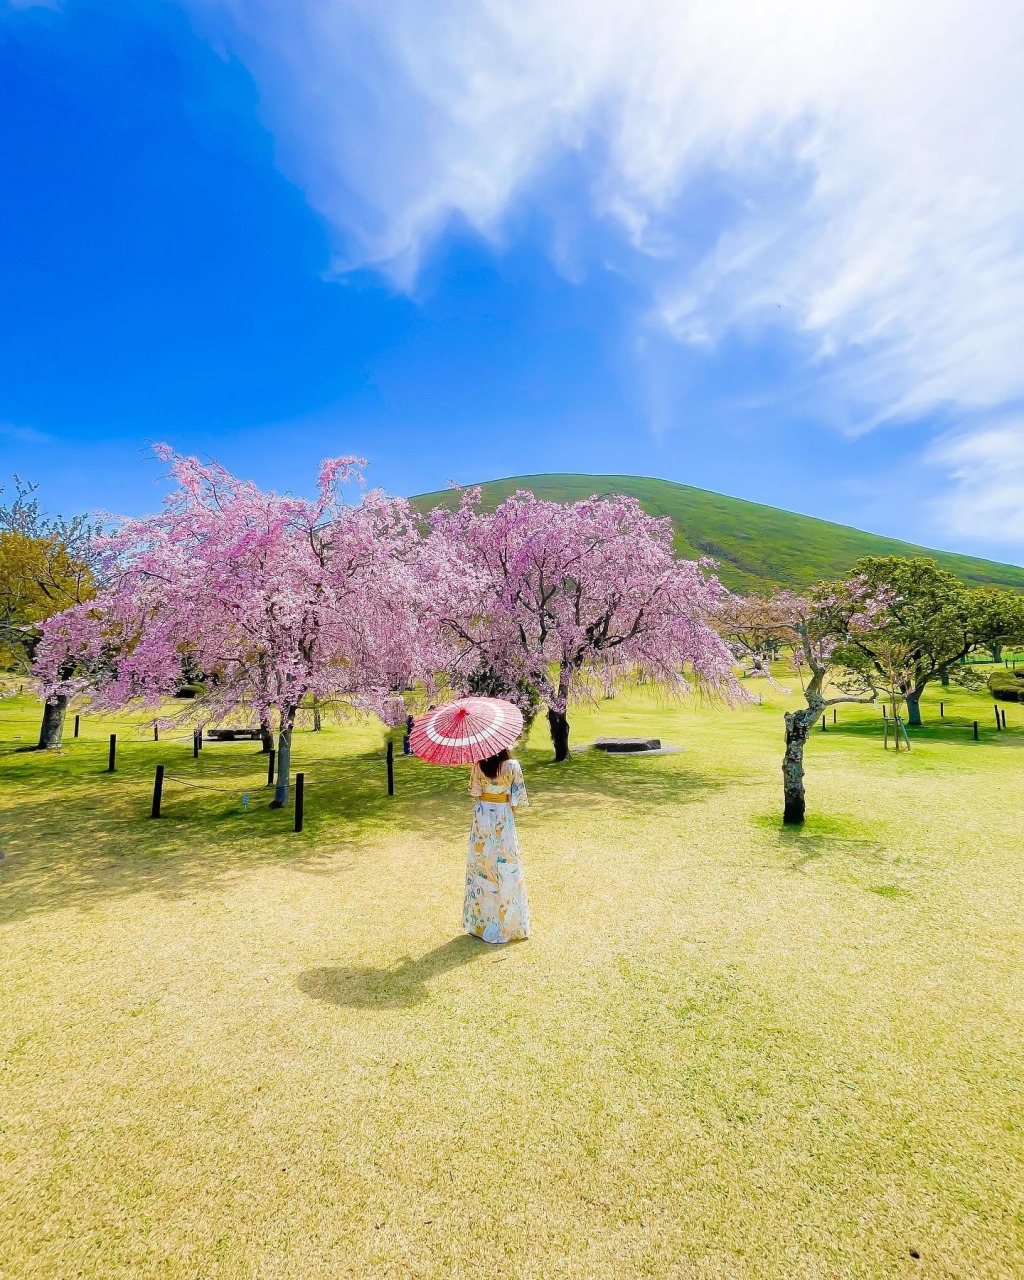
x,y
399,987
822,836
75,836
634,783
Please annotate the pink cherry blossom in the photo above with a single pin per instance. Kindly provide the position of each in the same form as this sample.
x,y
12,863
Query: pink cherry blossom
x,y
556,598
271,598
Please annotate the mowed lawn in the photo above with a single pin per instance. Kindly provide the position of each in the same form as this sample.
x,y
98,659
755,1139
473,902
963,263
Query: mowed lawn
x,y
729,1050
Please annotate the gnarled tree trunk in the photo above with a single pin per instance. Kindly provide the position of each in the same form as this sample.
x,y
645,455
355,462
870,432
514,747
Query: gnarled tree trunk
x,y
913,697
266,736
51,731
798,726
558,723
284,759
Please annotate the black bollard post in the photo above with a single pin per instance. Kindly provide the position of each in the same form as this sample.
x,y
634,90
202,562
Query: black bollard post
x,y
78,721
1004,719
835,715
999,723
942,708
196,743
271,757
300,789
975,731
156,733
823,724
112,755
391,768
158,791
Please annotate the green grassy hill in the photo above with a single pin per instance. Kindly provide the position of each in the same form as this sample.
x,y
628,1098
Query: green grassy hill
x,y
754,545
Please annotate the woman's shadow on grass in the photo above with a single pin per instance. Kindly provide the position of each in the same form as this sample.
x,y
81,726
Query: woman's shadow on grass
x,y
399,987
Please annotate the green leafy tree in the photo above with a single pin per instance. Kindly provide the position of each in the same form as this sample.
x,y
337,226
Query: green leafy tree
x,y
46,565
927,618
997,619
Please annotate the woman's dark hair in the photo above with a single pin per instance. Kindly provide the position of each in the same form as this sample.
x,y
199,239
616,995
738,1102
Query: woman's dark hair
x,y
492,764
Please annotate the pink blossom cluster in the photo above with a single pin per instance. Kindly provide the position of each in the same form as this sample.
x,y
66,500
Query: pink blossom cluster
x,y
553,595
268,598
807,630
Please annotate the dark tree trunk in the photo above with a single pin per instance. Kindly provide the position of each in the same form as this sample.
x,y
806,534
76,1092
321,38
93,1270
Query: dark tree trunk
x,y
996,650
284,760
914,706
558,723
266,736
798,726
944,677
51,731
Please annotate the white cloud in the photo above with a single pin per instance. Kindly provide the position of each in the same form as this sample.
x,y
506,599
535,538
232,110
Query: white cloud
x,y
871,149
25,435
986,500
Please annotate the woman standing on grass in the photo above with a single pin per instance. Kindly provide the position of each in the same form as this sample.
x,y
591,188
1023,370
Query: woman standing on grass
x,y
495,908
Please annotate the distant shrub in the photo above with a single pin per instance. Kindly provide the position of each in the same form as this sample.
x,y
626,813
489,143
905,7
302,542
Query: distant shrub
x,y
1007,686
189,691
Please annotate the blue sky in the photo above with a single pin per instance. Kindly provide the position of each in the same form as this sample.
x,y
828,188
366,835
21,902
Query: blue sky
x,y
473,240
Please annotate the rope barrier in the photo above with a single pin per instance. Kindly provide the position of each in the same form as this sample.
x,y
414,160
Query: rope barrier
x,y
259,763
360,767
355,769
202,786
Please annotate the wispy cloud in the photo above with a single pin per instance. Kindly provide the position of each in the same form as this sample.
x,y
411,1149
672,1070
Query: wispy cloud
x,y
25,435
986,500
868,150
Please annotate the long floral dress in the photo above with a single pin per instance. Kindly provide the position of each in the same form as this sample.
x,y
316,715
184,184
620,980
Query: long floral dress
x,y
496,908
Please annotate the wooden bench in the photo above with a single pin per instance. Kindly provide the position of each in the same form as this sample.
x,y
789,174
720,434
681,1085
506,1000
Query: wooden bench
x,y
233,735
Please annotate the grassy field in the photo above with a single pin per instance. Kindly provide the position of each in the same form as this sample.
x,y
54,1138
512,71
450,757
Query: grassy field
x,y
755,545
729,1050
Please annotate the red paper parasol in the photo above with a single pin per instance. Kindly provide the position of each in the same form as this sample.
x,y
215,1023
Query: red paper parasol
x,y
465,731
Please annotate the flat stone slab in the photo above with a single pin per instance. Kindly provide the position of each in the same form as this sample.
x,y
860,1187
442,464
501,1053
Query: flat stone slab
x,y
628,744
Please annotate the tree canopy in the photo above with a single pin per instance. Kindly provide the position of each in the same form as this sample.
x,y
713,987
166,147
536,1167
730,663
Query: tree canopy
x,y
997,619
927,620
271,597
542,597
46,565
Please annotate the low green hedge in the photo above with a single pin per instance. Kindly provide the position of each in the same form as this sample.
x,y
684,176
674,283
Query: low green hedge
x,y
1007,686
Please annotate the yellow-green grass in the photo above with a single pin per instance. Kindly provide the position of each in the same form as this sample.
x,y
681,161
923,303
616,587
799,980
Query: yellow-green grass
x,y
729,1050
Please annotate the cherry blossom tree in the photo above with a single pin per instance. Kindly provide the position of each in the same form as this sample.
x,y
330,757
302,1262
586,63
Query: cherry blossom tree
x,y
273,598
544,598
806,631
